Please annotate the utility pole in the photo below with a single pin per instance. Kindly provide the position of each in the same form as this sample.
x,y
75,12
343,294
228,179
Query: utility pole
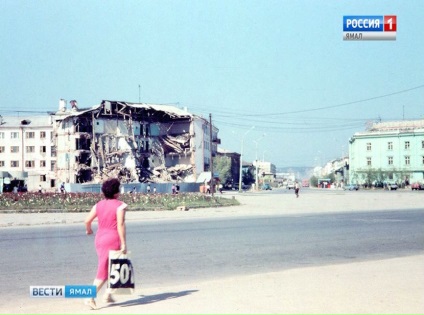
x,y
256,162
241,158
211,149
139,94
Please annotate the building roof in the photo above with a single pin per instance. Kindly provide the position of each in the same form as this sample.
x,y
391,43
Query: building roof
x,y
401,125
391,127
26,121
225,151
172,111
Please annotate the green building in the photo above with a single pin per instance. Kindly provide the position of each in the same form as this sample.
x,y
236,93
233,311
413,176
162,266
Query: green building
x,y
388,152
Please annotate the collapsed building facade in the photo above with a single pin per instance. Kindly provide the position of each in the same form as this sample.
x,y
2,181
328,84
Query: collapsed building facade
x,y
134,142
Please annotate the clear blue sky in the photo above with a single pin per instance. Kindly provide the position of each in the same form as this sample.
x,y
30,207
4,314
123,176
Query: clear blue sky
x,y
280,66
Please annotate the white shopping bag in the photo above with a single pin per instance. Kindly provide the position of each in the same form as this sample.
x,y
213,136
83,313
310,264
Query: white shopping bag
x,y
120,273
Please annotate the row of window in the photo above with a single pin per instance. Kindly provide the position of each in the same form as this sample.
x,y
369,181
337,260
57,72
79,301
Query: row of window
x,y
30,164
206,145
28,134
29,149
407,145
407,160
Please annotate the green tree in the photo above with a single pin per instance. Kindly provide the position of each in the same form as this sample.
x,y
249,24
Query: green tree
x,y
222,166
331,176
370,176
248,177
313,181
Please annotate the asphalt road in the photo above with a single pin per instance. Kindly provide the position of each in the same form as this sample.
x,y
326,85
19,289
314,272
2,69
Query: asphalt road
x,y
167,252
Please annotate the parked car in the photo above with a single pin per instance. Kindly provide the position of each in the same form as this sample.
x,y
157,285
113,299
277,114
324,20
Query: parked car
x,y
391,186
290,185
378,184
243,187
417,186
266,187
351,187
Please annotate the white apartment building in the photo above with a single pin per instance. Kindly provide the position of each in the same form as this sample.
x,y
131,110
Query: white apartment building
x,y
265,167
27,152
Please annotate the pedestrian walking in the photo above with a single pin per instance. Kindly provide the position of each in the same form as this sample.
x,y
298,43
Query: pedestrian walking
x,y
148,188
296,189
173,189
111,232
154,189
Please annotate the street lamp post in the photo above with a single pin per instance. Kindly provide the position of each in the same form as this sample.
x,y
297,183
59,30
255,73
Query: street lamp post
x,y
241,156
263,156
343,165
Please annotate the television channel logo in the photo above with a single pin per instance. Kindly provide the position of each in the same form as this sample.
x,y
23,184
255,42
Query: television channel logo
x,y
369,27
60,291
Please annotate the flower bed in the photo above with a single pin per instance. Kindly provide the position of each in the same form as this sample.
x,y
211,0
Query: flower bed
x,y
83,202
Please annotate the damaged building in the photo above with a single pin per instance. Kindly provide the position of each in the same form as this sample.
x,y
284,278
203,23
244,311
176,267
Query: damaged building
x,y
135,142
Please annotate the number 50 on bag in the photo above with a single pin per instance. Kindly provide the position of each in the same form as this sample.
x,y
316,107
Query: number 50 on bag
x,y
121,273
